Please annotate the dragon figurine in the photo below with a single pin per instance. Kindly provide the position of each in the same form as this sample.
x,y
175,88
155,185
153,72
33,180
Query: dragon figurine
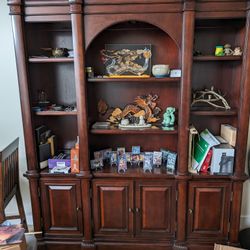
x,y
145,106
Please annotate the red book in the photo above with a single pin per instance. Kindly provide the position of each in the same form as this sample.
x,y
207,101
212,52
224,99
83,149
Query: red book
x,y
206,162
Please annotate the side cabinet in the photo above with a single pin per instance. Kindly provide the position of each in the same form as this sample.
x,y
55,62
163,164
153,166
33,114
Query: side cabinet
x,y
62,210
155,208
112,204
209,210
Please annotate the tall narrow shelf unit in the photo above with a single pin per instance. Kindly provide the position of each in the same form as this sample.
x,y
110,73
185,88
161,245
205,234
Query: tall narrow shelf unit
x,y
136,210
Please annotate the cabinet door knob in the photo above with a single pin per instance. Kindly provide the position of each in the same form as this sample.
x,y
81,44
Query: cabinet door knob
x,y
131,210
78,209
190,211
137,210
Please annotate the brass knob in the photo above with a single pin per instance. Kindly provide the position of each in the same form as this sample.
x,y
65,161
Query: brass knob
x,y
190,211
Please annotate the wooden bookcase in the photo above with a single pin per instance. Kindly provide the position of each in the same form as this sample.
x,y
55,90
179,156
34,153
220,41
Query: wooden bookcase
x,y
136,210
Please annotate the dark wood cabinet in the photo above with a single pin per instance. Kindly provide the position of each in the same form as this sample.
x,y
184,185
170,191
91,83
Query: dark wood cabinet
x,y
134,210
113,207
155,208
209,209
61,207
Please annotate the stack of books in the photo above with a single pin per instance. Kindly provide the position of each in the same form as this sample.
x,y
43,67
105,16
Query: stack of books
x,y
11,234
207,151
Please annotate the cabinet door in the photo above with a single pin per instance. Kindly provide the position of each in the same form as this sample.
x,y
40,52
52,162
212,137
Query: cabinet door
x,y
155,208
113,203
209,206
61,205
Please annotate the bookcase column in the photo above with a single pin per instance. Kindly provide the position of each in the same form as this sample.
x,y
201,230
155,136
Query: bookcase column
x,y
244,105
18,34
32,174
185,90
80,82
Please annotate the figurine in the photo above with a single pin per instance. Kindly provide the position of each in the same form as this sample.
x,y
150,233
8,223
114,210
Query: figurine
x,y
168,117
141,121
219,51
145,106
237,51
210,97
227,50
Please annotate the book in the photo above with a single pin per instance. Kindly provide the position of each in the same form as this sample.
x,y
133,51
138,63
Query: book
x,y
192,134
206,164
202,145
11,234
222,160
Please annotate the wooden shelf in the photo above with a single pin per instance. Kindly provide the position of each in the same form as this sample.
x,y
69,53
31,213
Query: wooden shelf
x,y
214,112
150,79
56,113
217,58
117,131
132,172
51,60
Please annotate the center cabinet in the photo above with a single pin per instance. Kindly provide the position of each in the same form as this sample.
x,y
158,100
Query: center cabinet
x,y
134,208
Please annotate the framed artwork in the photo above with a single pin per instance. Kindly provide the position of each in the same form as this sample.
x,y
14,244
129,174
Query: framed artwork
x,y
127,60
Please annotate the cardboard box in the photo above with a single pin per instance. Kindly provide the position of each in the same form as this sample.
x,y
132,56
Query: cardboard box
x,y
229,133
222,159
222,247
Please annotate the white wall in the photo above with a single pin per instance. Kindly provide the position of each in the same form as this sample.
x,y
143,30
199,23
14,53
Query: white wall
x,y
10,114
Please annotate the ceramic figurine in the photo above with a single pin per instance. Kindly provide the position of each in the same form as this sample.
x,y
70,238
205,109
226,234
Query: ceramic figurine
x,y
237,51
168,118
219,51
227,50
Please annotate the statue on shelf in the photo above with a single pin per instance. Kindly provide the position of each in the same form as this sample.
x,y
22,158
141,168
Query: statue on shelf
x,y
169,118
143,106
237,51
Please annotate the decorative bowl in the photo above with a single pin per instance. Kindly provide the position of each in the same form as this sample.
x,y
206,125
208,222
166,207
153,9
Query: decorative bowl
x,y
160,70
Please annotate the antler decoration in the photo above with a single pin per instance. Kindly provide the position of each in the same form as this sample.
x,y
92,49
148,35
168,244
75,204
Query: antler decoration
x,y
211,97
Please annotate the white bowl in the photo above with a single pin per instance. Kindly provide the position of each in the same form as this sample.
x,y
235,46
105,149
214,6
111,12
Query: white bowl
x,y
160,70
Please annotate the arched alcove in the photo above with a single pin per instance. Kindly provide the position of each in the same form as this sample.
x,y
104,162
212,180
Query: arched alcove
x,y
117,93
164,49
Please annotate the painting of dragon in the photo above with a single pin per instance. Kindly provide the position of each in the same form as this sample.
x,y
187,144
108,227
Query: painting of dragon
x,y
127,59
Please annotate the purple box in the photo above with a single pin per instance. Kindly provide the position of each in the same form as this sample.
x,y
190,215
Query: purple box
x,y
58,163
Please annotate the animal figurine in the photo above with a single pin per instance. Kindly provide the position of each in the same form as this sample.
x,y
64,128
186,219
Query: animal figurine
x,y
237,51
168,117
227,50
